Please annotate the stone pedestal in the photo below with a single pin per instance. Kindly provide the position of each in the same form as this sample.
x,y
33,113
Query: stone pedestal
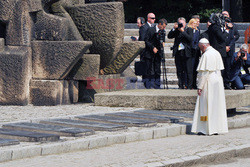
x,y
53,92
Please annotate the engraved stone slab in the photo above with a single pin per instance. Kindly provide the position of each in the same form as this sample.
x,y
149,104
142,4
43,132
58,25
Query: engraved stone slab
x,y
123,121
27,136
165,113
8,142
160,119
85,124
51,129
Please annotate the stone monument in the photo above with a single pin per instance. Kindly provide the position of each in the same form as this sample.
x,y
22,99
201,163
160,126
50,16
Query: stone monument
x,y
51,49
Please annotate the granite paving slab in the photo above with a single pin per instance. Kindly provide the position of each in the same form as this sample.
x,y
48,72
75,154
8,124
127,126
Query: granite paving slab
x,y
50,129
8,142
85,124
186,116
117,120
27,136
159,119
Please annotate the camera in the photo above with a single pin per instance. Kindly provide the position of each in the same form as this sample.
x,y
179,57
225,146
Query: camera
x,y
242,54
180,25
161,36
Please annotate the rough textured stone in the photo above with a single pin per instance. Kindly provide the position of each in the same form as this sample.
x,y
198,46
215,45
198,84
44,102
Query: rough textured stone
x,y
86,67
106,33
44,92
26,152
100,84
2,44
15,72
53,92
170,99
19,27
50,27
58,9
5,155
55,59
126,55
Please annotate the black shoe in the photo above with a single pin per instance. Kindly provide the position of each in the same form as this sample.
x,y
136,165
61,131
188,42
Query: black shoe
x,y
200,133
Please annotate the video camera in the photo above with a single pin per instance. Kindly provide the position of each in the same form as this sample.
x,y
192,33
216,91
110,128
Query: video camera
x,y
217,18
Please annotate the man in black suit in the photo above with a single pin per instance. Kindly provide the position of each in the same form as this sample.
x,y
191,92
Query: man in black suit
x,y
217,39
232,35
155,37
182,52
144,28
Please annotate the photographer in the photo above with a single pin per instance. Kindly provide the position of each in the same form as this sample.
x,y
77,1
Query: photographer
x,y
240,60
155,37
182,52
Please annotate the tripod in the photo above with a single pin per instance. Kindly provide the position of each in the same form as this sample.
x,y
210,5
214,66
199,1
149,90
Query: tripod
x,y
165,80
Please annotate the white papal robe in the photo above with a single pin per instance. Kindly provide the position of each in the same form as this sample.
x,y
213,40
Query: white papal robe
x,y
210,115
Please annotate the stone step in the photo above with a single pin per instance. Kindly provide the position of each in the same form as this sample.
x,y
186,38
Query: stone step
x,y
8,142
186,116
169,99
127,38
168,61
27,136
50,129
134,26
116,120
159,119
84,124
171,69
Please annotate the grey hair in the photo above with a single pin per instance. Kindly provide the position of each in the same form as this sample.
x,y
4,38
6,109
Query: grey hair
x,y
244,46
181,18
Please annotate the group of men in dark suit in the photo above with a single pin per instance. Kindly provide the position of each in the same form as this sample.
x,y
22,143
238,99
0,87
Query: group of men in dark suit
x,y
221,35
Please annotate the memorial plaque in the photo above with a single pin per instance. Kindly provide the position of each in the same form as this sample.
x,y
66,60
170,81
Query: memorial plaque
x,y
117,120
8,142
27,136
85,124
160,119
173,116
51,129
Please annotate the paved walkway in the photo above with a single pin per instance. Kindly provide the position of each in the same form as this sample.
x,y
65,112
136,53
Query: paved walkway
x,y
139,154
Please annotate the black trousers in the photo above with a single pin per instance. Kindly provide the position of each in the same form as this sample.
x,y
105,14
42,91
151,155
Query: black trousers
x,y
153,72
184,67
226,72
196,53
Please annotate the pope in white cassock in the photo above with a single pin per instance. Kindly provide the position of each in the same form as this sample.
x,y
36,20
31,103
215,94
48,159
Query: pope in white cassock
x,y
210,115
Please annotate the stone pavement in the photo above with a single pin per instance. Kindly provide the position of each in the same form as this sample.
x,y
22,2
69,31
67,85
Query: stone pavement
x,y
150,153
100,139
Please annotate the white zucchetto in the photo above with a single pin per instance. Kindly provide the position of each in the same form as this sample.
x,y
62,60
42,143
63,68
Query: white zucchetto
x,y
203,40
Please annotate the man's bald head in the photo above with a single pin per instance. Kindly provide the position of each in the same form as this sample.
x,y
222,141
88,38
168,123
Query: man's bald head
x,y
151,18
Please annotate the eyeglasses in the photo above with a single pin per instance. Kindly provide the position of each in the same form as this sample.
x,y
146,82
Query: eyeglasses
x,y
152,18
